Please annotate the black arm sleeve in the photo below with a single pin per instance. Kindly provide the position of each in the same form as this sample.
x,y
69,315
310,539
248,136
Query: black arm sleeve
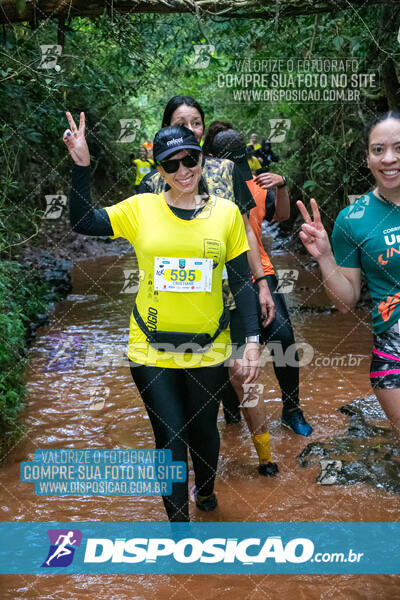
x,y
243,197
269,205
244,293
83,217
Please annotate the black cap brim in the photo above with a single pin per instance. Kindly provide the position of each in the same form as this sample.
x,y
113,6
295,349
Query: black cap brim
x,y
175,150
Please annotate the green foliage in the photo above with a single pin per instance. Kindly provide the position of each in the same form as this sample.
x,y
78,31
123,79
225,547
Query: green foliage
x,y
104,69
130,66
22,297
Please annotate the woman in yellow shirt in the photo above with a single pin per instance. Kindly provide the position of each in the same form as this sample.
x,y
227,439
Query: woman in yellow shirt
x,y
143,166
178,328
253,161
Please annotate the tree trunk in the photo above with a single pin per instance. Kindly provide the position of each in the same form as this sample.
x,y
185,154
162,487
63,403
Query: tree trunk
x,y
389,75
391,84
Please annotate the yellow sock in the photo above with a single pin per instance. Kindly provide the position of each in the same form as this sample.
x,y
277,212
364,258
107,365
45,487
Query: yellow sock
x,y
263,447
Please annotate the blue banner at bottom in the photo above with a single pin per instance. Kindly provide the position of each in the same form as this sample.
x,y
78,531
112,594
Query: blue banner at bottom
x,y
199,548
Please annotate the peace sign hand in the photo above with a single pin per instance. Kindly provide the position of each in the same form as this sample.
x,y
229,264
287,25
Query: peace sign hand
x,y
75,141
313,233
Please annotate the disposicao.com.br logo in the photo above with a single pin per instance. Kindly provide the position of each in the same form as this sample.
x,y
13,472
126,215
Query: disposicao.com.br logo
x,y
191,550
213,550
188,550
201,548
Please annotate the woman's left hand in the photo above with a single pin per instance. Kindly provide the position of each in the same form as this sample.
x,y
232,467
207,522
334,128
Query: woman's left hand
x,y
249,364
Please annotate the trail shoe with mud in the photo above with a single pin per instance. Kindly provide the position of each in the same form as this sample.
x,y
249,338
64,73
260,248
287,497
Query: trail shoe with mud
x,y
294,420
207,503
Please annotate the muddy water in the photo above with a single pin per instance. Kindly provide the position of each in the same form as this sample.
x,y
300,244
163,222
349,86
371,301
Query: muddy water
x,y
92,403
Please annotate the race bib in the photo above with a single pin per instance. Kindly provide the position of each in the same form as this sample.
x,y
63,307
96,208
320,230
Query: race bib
x,y
183,274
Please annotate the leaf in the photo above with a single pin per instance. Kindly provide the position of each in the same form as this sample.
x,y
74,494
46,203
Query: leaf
x,y
338,42
309,183
21,5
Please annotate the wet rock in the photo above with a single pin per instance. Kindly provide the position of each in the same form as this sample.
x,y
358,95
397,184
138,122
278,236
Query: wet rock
x,y
55,272
279,234
368,408
312,454
354,472
51,269
363,412
343,446
367,454
330,470
384,475
360,428
303,308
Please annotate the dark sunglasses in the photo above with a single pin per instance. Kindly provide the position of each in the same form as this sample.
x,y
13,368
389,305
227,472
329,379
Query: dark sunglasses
x,y
189,161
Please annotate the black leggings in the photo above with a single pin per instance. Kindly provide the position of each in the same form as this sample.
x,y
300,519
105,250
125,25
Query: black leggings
x,y
278,336
182,405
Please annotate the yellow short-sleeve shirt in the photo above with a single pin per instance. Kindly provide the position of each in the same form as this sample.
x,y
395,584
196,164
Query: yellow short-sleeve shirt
x,y
216,233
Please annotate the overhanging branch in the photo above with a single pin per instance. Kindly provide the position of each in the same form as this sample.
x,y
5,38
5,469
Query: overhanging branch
x,y
243,9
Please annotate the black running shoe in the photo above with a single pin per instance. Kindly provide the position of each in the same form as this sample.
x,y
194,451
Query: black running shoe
x,y
231,419
269,469
208,504
294,420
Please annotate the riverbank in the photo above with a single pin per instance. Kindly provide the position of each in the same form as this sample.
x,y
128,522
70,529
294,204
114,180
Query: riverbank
x,y
32,281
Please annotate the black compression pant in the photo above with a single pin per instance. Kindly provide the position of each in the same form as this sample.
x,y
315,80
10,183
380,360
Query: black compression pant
x,y
182,405
280,331
278,336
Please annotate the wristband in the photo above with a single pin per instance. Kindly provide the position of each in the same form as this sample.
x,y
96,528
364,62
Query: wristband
x,y
281,185
260,278
252,339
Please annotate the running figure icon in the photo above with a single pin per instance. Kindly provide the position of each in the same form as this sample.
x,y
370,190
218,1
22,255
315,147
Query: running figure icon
x,y
63,544
62,549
